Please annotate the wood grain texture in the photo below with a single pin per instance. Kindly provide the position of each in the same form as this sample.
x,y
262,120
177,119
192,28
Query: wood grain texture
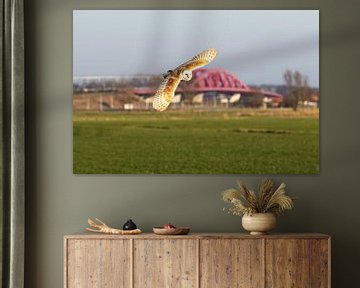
x,y
88,235
287,263
231,263
98,264
165,263
319,263
197,260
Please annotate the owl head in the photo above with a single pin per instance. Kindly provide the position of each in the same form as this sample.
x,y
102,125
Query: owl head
x,y
186,75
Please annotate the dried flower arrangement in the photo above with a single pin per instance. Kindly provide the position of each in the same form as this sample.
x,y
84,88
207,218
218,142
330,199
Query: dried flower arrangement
x,y
246,202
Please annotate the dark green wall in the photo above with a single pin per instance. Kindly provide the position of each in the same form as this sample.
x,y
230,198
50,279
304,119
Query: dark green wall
x,y
59,202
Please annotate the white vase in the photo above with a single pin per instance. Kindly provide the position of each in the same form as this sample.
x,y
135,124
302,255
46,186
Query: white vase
x,y
259,223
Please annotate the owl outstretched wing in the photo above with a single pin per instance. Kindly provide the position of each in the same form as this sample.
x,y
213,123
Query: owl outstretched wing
x,y
166,90
201,59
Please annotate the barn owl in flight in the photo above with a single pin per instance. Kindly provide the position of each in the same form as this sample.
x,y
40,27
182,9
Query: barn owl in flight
x,y
172,78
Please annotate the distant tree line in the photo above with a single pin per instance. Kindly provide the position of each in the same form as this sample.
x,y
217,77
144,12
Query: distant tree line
x,y
114,84
298,89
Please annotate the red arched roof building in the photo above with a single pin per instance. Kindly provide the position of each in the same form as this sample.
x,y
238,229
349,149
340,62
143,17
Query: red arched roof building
x,y
216,80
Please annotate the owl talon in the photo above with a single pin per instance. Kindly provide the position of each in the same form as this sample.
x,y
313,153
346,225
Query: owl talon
x,y
168,73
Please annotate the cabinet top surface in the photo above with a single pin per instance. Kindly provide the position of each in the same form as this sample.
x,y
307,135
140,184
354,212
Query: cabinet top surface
x,y
87,235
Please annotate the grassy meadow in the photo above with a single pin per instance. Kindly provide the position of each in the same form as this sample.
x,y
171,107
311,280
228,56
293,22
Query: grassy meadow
x,y
272,141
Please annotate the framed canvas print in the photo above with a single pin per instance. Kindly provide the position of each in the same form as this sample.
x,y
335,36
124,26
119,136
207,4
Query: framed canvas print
x,y
196,92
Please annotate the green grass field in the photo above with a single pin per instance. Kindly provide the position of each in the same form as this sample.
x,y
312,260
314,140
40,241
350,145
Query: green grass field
x,y
227,142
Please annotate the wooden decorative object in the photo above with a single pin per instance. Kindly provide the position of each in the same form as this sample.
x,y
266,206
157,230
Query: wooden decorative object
x,y
197,260
171,231
101,227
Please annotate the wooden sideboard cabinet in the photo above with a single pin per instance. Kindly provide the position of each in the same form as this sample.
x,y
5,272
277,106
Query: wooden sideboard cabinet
x,y
197,260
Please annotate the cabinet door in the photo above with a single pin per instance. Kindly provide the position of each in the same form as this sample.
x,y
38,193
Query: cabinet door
x,y
98,263
287,263
320,263
165,263
231,263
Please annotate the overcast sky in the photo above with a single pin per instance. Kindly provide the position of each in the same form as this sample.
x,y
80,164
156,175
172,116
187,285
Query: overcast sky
x,y
255,45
